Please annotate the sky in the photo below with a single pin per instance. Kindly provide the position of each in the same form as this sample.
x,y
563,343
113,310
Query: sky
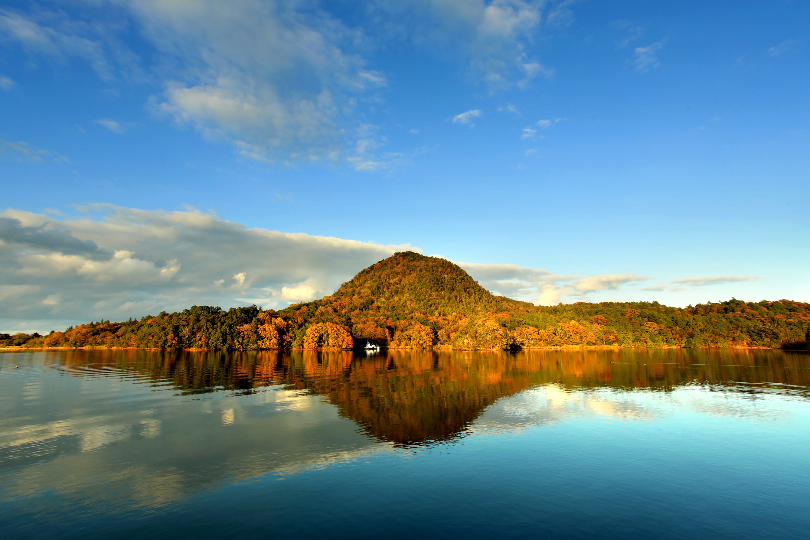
x,y
157,154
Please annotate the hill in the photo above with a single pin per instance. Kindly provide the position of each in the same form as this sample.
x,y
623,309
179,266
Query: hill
x,y
410,284
415,302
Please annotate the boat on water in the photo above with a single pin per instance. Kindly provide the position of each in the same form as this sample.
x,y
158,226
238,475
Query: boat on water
x,y
371,348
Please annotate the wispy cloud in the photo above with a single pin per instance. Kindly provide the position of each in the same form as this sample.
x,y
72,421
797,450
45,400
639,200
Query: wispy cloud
x,y
279,80
510,109
647,57
683,283
781,48
26,152
518,282
56,41
606,282
112,125
561,14
528,133
275,77
633,32
467,117
546,123
713,280
543,287
6,83
491,37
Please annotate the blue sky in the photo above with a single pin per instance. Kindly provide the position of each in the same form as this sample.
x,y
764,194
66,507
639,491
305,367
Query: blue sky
x,y
562,150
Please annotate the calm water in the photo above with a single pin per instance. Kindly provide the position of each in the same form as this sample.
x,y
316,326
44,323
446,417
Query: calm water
x,y
665,444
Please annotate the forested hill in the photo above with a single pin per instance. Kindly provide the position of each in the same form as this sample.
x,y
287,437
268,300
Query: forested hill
x,y
408,283
413,301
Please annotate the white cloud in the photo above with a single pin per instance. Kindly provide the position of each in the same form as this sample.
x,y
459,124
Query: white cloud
x,y
606,282
112,125
366,156
545,124
647,57
550,294
683,283
275,76
6,83
282,80
713,280
112,262
413,131
518,282
531,70
52,299
528,133
543,287
490,272
530,152
305,291
466,117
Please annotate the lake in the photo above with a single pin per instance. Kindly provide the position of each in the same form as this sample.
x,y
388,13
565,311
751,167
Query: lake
x,y
558,444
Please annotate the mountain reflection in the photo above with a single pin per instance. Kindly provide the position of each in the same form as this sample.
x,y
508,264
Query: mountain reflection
x,y
413,397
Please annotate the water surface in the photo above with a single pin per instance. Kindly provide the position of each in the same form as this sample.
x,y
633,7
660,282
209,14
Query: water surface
x,y
583,444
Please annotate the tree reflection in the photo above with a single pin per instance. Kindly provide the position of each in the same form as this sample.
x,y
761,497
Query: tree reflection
x,y
413,397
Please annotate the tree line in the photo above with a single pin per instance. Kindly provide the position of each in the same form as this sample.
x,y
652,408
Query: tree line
x,y
733,323
410,301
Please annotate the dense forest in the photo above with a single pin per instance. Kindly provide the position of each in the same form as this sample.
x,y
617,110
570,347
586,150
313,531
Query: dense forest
x,y
410,301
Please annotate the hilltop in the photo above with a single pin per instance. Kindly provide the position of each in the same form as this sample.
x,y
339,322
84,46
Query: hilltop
x,y
411,301
412,284
406,301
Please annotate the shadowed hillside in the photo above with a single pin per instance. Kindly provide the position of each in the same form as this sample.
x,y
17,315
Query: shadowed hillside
x,y
410,301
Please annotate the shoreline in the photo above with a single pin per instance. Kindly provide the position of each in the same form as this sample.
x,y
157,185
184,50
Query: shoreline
x,y
438,348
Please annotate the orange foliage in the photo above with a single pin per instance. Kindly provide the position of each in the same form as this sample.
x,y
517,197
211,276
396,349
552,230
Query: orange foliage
x,y
483,334
273,332
328,336
54,339
527,337
372,331
413,335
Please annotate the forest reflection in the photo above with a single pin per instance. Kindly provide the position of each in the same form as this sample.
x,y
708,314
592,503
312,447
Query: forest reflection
x,y
414,397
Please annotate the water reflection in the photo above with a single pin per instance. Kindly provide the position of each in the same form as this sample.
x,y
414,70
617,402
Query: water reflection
x,y
412,397
147,428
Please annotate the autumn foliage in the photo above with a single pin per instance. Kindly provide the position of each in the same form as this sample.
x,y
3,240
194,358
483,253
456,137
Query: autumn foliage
x,y
328,336
409,301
